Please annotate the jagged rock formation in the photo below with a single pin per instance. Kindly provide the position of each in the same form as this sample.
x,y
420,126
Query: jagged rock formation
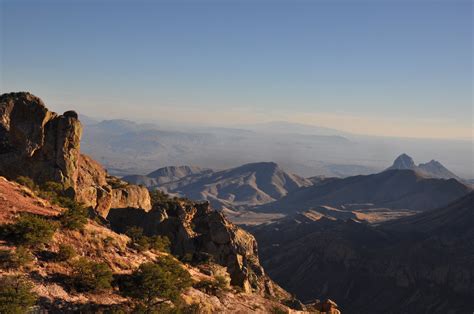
x,y
197,231
432,169
37,142
45,146
418,264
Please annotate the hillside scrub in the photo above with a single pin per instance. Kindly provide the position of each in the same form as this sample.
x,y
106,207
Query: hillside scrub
x,y
143,243
17,259
88,275
153,284
29,230
16,295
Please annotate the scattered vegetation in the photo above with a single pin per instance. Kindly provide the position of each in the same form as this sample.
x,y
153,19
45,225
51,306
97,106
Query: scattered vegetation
x,y
212,287
30,230
154,284
74,218
143,243
65,253
160,199
16,295
17,259
76,214
91,276
26,181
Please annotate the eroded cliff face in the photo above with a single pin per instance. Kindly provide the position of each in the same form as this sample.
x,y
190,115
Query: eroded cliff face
x,y
198,232
45,146
36,142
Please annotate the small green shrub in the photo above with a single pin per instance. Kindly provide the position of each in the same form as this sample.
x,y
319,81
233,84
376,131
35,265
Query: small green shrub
x,y
91,276
17,259
30,230
54,187
160,243
16,295
65,253
74,218
212,287
143,243
26,181
153,284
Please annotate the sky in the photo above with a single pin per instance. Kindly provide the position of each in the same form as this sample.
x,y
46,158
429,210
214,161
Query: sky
x,y
388,68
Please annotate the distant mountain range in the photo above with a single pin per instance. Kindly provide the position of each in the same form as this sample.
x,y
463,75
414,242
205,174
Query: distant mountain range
x,y
433,169
165,175
126,147
248,185
395,189
265,187
419,264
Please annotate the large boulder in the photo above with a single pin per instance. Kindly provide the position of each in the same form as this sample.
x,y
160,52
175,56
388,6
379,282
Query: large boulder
x,y
45,146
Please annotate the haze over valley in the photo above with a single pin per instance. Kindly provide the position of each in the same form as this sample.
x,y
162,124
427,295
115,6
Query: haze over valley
x,y
236,157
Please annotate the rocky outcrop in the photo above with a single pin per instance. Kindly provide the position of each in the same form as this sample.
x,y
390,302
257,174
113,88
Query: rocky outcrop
x,y
45,146
199,233
36,142
102,192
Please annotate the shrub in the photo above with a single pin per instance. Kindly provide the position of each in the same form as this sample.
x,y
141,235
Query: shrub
x,y
155,283
54,187
65,253
19,258
74,218
160,243
143,243
212,287
30,230
15,295
91,276
26,181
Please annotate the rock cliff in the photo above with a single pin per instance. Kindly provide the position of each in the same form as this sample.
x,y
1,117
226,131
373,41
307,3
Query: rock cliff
x,y
45,146
199,233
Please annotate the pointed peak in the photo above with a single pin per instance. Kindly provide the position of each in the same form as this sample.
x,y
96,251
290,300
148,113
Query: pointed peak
x,y
403,162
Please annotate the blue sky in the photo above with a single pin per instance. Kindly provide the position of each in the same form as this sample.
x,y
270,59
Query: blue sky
x,y
396,68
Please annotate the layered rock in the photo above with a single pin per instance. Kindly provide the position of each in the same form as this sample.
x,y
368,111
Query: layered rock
x,y
45,146
198,232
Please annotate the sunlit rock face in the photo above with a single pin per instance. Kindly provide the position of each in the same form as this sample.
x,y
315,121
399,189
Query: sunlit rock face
x,y
45,146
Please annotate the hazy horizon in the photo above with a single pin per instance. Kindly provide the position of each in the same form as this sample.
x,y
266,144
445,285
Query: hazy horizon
x,y
405,72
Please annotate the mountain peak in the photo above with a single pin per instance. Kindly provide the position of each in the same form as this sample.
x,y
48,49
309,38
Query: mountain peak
x,y
403,162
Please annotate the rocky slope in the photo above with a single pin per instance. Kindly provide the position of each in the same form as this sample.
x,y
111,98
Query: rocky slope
x,y
431,169
418,264
45,146
49,277
393,189
246,185
198,234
